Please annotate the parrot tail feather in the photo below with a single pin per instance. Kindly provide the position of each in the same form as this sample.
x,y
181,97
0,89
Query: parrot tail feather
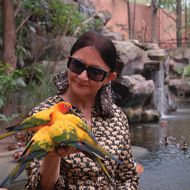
x,y
4,135
104,170
19,168
83,147
35,154
14,174
27,147
12,128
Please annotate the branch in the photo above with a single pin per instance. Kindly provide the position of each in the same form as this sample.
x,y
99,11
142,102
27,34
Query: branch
x,y
83,23
18,8
23,22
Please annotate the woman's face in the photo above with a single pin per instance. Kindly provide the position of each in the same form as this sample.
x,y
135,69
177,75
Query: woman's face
x,y
80,84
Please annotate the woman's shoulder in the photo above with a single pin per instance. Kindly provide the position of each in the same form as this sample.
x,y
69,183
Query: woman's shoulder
x,y
118,111
46,103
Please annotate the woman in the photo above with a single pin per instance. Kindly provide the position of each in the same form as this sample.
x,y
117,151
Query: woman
x,y
86,85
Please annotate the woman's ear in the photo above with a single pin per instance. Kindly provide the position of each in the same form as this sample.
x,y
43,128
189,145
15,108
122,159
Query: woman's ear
x,y
110,77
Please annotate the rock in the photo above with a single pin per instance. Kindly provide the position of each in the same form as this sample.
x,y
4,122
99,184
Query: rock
x,y
115,36
139,152
150,116
179,88
157,54
132,90
104,16
133,114
12,146
131,58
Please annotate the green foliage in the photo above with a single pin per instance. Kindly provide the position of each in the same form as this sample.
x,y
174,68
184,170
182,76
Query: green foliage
x,y
35,6
65,17
11,81
48,19
8,119
39,86
178,70
186,71
55,16
30,85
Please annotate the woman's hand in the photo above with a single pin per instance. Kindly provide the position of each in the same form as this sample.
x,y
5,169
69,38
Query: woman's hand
x,y
66,151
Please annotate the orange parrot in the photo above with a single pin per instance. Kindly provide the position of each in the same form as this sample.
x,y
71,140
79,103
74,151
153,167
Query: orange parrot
x,y
37,120
62,130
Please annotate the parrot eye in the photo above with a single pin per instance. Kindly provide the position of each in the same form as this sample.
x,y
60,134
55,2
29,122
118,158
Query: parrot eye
x,y
66,106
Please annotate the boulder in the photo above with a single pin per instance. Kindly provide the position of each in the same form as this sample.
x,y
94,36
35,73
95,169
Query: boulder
x,y
132,90
131,58
180,88
150,116
156,54
133,114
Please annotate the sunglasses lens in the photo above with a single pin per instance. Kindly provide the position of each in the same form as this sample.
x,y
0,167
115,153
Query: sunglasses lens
x,y
96,74
75,65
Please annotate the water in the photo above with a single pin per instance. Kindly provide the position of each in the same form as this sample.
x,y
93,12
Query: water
x,y
165,167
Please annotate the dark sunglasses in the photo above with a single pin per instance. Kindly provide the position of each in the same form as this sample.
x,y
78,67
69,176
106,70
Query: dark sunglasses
x,y
93,73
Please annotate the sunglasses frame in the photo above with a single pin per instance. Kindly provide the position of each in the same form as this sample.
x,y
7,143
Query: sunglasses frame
x,y
86,68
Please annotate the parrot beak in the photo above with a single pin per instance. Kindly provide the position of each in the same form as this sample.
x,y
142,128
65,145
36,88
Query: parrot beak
x,y
71,111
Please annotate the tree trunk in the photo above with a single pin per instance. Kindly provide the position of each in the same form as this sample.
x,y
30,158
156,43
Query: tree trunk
x,y
129,18
134,15
154,7
178,23
9,36
186,24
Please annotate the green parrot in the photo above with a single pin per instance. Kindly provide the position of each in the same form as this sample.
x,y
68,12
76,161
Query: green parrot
x,y
37,120
63,130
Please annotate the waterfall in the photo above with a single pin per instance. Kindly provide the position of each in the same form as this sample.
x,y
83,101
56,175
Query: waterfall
x,y
160,95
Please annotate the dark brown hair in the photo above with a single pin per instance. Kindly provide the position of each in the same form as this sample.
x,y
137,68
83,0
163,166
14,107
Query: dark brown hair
x,y
103,45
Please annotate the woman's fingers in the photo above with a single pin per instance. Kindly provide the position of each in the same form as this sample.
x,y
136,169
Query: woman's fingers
x,y
66,151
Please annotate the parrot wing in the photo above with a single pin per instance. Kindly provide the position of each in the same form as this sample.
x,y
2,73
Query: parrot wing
x,y
77,121
31,122
40,141
19,168
66,132
37,147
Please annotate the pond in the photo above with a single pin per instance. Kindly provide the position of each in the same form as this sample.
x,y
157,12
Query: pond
x,y
166,167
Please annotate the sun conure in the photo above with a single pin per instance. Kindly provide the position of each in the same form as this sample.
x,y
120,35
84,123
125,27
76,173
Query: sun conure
x,y
37,120
63,130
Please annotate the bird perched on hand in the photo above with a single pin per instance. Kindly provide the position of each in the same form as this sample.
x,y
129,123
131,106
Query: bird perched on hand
x,y
62,130
37,120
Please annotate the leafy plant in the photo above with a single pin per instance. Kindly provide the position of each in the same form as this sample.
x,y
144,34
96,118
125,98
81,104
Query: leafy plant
x,y
8,119
39,86
186,71
11,81
178,70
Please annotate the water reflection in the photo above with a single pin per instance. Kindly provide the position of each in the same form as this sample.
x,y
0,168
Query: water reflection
x,y
167,166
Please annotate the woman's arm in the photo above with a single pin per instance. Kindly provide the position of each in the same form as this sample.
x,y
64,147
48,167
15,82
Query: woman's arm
x,y
49,171
50,167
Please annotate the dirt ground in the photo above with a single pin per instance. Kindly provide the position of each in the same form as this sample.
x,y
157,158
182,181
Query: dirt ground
x,y
6,143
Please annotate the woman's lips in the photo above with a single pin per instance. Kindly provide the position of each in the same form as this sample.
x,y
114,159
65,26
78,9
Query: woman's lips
x,y
81,85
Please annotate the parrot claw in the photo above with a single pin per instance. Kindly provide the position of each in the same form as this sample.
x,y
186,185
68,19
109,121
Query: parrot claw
x,y
62,144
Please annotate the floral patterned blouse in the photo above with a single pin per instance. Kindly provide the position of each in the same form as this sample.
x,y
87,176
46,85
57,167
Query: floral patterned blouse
x,y
78,172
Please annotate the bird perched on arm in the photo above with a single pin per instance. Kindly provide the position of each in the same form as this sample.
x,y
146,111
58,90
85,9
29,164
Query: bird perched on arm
x,y
37,120
62,130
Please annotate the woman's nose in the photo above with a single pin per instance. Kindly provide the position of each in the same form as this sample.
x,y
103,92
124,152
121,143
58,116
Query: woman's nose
x,y
83,76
